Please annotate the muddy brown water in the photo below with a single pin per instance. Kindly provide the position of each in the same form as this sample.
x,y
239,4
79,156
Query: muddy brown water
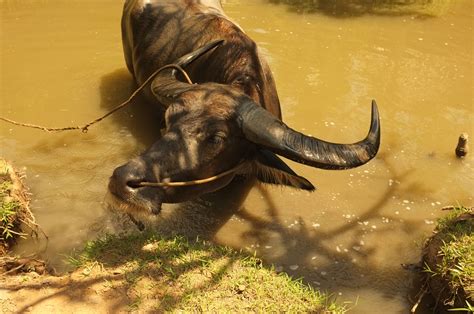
x,y
62,64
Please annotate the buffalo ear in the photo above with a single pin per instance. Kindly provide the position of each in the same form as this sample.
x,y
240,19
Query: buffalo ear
x,y
272,170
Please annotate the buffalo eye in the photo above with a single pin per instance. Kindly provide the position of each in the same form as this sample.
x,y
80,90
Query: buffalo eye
x,y
217,138
243,79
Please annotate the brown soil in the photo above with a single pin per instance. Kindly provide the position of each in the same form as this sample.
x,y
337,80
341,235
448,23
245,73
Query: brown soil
x,y
82,291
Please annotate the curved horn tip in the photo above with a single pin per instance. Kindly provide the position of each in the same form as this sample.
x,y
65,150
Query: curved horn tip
x,y
190,57
375,109
375,119
374,132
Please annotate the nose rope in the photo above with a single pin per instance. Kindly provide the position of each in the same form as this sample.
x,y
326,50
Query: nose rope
x,y
240,166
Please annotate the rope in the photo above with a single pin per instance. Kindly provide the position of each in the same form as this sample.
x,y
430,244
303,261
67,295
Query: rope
x,y
86,126
193,182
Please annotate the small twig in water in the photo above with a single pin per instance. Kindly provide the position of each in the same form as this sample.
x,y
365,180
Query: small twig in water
x,y
448,208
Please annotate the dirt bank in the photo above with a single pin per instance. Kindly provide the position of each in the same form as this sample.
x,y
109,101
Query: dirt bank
x,y
138,272
448,259
145,274
16,221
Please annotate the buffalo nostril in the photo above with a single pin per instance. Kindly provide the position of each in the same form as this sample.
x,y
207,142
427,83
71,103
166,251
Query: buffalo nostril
x,y
126,179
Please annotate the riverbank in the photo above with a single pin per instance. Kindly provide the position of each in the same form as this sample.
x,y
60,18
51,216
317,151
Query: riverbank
x,y
144,273
140,272
16,221
448,262
14,206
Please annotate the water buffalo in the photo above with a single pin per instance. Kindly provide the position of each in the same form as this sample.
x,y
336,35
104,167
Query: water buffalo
x,y
226,123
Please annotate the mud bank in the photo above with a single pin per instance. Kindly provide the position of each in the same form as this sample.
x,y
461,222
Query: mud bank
x,y
448,262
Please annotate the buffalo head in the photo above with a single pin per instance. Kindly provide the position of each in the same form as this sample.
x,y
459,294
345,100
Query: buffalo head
x,y
211,128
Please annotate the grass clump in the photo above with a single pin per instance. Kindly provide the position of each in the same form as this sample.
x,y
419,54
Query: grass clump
x,y
449,260
7,213
181,275
458,249
9,209
16,221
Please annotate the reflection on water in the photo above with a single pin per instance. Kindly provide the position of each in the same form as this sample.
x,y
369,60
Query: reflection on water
x,y
61,63
352,8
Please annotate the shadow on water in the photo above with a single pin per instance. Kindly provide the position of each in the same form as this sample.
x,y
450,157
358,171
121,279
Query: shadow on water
x,y
355,8
354,268
139,118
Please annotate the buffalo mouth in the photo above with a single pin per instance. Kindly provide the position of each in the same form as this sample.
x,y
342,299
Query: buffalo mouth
x,y
133,199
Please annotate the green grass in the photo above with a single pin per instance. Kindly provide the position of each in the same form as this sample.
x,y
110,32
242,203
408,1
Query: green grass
x,y
181,275
456,231
9,206
7,217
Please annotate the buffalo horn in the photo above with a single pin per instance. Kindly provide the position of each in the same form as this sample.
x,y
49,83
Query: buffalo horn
x,y
262,128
